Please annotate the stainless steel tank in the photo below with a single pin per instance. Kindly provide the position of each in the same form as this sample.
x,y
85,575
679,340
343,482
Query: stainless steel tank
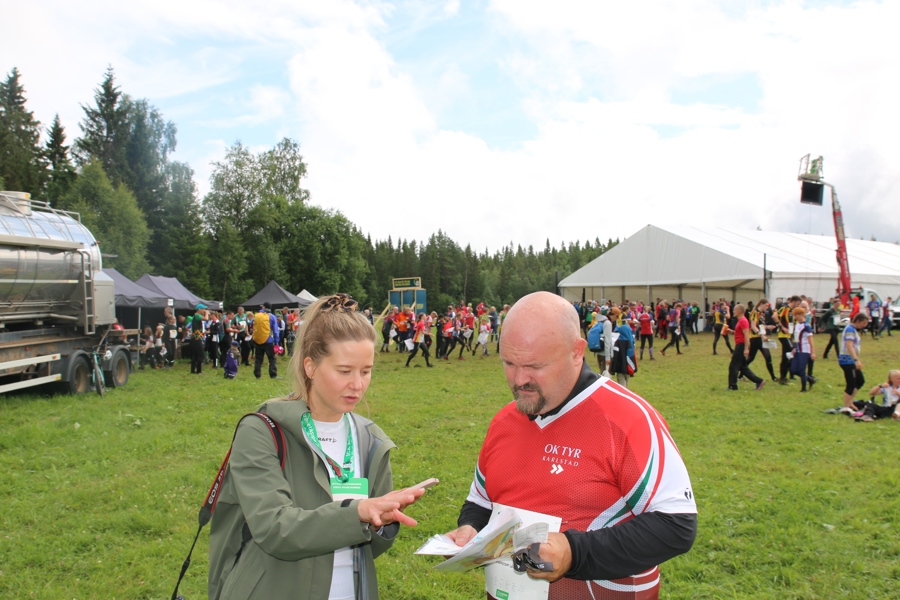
x,y
43,254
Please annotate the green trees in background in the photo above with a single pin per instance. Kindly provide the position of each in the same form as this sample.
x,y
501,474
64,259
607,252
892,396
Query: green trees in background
x,y
111,213
23,165
255,224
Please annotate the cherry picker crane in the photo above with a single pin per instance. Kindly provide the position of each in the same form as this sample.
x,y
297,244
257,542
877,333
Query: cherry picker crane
x,y
812,188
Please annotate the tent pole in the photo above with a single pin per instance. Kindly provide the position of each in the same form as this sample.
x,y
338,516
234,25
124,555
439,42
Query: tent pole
x,y
139,319
705,304
765,277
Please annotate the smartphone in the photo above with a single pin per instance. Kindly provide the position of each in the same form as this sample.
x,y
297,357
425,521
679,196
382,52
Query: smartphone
x,y
428,483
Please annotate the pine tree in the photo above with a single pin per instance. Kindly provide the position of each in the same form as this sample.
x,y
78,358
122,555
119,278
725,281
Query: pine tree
x,y
179,246
105,131
22,163
62,173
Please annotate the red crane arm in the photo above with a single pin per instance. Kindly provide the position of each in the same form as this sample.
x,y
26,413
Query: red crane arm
x,y
843,290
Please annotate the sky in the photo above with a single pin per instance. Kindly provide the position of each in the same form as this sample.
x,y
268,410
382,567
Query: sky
x,y
507,121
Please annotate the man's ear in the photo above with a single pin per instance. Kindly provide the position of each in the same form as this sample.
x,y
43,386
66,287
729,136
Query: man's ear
x,y
578,348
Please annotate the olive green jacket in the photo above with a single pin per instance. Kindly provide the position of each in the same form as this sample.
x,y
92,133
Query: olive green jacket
x,y
295,525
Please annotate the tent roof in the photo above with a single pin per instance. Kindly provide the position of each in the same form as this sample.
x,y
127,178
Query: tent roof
x,y
172,288
305,295
277,296
128,293
675,255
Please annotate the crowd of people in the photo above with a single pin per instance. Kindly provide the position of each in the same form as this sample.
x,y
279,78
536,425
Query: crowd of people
x,y
757,329
783,332
460,326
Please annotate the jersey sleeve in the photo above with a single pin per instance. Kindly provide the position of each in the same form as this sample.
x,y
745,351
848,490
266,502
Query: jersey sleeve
x,y
651,472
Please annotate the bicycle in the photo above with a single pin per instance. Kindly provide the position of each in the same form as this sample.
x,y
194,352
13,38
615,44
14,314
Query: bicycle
x,y
97,372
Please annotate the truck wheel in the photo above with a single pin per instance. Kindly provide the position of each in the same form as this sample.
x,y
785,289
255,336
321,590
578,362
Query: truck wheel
x,y
119,368
79,380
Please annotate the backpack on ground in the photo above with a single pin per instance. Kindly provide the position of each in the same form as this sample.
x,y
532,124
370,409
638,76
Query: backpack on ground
x,y
212,497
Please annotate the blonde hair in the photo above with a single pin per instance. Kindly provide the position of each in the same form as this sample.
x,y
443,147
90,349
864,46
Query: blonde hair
x,y
326,321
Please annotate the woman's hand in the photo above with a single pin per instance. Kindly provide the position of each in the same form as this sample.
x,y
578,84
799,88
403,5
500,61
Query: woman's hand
x,y
388,509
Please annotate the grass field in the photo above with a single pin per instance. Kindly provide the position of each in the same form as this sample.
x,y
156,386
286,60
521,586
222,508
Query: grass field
x,y
99,497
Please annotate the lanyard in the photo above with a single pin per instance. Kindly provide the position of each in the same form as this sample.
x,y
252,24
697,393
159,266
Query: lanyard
x,y
345,473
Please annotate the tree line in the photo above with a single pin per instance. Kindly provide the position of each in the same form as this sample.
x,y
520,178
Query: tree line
x,y
256,223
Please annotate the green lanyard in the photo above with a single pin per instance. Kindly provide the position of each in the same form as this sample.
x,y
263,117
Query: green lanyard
x,y
342,474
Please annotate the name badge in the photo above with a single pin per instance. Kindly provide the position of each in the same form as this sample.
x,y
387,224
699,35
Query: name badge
x,y
355,488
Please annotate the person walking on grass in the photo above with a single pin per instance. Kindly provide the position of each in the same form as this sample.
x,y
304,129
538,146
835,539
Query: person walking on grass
x,y
832,318
741,352
785,323
848,359
418,340
887,318
720,320
804,349
673,318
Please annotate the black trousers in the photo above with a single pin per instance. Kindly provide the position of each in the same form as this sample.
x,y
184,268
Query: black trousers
x,y
245,351
785,365
263,351
738,365
717,330
674,339
170,352
196,356
756,345
832,342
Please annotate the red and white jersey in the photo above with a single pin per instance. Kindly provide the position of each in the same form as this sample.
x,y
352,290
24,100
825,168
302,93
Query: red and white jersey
x,y
646,322
604,458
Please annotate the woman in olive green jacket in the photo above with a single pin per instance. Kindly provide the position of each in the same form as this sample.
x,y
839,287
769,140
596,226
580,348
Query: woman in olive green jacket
x,y
289,534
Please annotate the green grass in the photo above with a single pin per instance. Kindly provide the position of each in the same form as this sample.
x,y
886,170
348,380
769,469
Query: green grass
x,y
99,497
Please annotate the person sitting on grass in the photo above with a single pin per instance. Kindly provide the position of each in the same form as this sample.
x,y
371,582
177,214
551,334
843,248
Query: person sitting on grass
x,y
890,405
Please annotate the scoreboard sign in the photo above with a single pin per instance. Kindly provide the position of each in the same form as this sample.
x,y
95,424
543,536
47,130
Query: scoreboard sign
x,y
407,282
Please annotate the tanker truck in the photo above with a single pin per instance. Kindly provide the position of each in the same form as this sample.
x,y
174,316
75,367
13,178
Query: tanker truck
x,y
57,308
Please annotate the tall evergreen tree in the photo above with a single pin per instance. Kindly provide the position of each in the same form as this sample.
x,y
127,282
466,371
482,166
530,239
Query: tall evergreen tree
x,y
105,131
22,163
180,248
62,173
150,140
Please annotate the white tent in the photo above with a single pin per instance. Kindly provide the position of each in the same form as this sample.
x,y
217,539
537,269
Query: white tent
x,y
306,296
699,263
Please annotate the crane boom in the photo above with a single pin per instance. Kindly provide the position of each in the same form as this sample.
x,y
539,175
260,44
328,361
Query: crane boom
x,y
811,171
843,290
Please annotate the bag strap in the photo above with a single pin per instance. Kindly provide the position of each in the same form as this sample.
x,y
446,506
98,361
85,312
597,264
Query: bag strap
x,y
212,497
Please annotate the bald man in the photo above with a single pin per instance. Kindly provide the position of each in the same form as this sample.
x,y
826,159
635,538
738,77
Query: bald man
x,y
580,447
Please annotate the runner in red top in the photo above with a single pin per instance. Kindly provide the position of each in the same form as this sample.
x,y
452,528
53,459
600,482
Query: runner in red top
x,y
741,352
646,323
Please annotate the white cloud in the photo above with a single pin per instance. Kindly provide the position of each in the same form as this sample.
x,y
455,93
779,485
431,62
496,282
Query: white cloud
x,y
612,151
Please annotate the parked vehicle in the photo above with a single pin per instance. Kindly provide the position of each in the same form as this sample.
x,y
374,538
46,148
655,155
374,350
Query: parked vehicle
x,y
57,308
